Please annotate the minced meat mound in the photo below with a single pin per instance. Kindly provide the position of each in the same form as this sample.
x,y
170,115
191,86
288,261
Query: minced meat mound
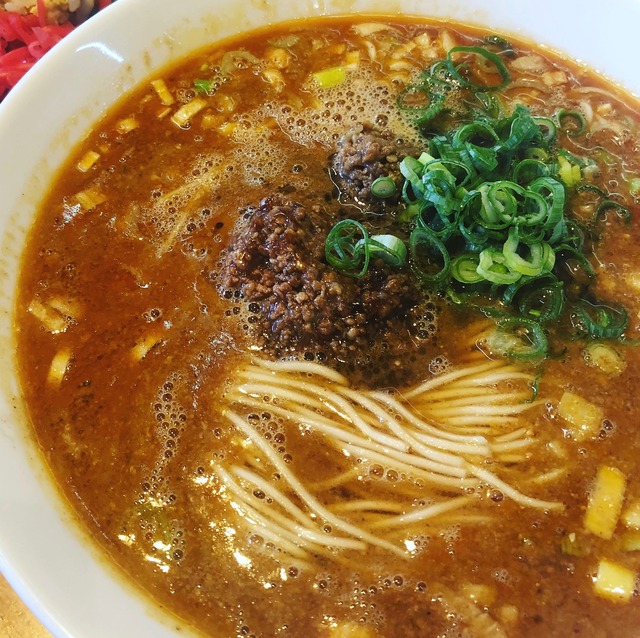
x,y
299,304
363,155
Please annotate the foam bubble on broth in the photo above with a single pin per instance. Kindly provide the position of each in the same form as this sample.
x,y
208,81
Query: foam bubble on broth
x,y
361,98
185,207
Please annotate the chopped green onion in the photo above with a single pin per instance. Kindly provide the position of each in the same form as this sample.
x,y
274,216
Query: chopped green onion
x,y
204,86
569,173
519,338
389,248
488,56
543,303
349,249
328,78
464,268
493,267
420,101
609,204
499,42
425,249
340,248
572,122
383,187
600,321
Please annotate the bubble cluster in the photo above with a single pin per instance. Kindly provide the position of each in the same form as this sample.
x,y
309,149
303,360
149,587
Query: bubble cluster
x,y
361,98
185,209
272,430
169,414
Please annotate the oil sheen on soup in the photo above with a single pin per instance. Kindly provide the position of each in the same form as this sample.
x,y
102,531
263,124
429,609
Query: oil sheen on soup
x,y
331,329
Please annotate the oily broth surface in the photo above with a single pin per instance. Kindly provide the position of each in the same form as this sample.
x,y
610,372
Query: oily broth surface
x,y
131,431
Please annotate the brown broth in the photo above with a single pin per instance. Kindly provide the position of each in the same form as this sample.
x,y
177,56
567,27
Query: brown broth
x,y
132,431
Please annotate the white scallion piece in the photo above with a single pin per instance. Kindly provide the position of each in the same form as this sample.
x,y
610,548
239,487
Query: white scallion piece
x,y
87,161
59,366
183,115
163,92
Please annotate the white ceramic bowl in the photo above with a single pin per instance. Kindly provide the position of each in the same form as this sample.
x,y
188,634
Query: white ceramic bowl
x,y
42,552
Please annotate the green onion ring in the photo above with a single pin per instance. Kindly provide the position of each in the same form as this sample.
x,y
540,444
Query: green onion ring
x,y
488,55
575,116
519,338
383,187
421,242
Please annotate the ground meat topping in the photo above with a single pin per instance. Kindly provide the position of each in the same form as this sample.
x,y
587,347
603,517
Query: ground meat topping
x,y
363,155
276,260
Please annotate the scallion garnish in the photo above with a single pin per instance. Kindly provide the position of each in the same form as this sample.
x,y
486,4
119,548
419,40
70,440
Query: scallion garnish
x,y
601,321
519,338
486,209
383,187
610,205
349,248
572,122
460,71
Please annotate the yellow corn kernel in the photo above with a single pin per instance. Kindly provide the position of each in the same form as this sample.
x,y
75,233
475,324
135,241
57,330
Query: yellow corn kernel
x,y
605,502
585,417
163,92
630,541
613,581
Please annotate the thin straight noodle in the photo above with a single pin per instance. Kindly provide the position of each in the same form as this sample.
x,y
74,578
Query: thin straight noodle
x,y
292,534
471,419
335,403
356,506
514,494
269,528
491,399
513,435
302,492
480,410
281,499
307,532
336,481
448,377
406,464
336,434
402,434
467,442
306,367
422,514
511,445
